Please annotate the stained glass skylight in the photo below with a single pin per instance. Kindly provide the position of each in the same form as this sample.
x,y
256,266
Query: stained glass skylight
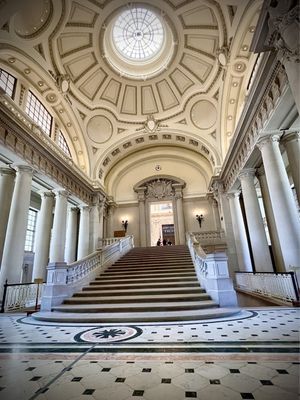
x,y
138,34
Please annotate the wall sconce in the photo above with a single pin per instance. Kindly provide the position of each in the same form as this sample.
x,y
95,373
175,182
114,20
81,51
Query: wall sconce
x,y
125,225
199,218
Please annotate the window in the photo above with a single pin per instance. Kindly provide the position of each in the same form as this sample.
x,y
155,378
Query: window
x,y
36,110
63,144
30,232
138,34
7,82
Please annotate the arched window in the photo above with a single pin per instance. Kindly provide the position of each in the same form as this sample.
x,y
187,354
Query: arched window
x,y
61,141
7,83
36,110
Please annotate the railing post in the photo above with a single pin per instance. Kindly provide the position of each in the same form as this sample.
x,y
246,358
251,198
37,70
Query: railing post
x,y
4,296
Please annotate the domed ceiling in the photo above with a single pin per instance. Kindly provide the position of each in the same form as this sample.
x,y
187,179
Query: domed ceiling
x,y
120,77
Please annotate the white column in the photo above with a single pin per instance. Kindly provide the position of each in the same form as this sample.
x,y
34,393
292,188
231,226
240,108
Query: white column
x,y
283,204
291,142
109,222
96,222
279,264
216,214
42,236
83,235
58,239
71,235
13,252
241,243
180,216
7,178
142,216
258,238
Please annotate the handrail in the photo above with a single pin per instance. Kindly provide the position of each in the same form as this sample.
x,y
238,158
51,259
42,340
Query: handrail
x,y
81,268
212,270
278,285
64,280
21,295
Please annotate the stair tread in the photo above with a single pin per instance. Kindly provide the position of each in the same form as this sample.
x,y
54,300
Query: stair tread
x,y
203,314
149,290
136,306
139,297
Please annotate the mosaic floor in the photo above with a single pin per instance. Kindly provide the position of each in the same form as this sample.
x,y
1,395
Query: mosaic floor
x,y
253,355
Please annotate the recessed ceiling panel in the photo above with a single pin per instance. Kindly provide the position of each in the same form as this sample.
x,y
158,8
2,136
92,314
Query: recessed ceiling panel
x,y
149,105
129,104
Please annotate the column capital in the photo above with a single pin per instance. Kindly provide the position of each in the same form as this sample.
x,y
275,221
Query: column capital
x,y
74,209
85,208
45,193
260,171
233,195
23,168
60,193
268,139
7,171
246,174
290,136
141,193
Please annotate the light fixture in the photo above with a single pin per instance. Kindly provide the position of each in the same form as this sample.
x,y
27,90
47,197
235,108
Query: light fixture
x,y
199,218
125,225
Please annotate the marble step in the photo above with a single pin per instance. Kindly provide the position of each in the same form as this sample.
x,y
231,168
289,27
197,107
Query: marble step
x,y
143,290
122,317
96,298
171,281
184,271
144,307
157,285
149,269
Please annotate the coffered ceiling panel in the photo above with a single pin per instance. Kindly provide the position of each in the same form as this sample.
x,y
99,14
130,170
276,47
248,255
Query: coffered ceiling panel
x,y
68,43
111,93
81,15
167,96
79,66
199,68
129,104
197,16
181,80
91,86
149,105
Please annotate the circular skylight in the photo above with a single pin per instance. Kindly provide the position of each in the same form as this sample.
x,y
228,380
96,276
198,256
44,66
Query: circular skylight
x,y
138,34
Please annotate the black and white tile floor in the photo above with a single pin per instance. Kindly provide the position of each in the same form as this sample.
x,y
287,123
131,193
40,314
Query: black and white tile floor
x,y
253,355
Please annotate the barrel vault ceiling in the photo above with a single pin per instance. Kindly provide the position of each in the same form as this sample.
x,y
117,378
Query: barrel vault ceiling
x,y
193,102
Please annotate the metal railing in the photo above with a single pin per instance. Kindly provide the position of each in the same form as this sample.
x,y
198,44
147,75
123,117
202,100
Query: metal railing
x,y
277,285
17,296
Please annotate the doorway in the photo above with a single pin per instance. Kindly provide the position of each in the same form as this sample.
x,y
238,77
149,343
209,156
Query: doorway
x,y
161,222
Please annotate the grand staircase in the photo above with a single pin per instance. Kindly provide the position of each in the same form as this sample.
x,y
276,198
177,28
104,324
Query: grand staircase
x,y
146,284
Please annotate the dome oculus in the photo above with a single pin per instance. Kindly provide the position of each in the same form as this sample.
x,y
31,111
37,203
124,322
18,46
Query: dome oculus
x,y
138,34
